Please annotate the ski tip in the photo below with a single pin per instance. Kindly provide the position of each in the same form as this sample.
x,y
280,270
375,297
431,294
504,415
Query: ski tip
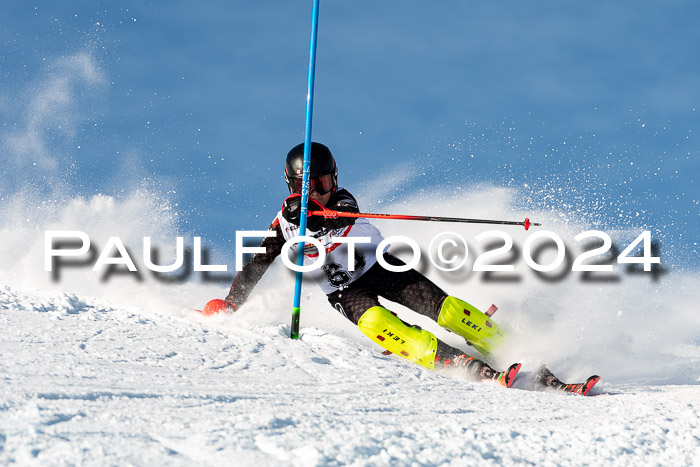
x,y
509,375
527,223
588,385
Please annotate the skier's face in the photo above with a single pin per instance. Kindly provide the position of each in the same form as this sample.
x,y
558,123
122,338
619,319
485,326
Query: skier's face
x,y
322,184
320,188
322,199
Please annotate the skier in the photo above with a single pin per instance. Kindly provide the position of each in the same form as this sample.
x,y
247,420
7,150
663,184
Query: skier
x,y
355,291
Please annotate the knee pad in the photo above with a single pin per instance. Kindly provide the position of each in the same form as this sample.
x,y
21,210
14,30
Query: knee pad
x,y
463,319
409,342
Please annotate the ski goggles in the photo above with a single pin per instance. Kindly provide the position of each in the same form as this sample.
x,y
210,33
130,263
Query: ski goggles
x,y
323,184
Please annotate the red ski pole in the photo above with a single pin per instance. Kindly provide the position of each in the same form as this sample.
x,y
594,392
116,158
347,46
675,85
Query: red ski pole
x,y
330,214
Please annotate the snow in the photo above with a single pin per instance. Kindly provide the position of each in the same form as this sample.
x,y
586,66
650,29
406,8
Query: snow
x,y
123,371
85,382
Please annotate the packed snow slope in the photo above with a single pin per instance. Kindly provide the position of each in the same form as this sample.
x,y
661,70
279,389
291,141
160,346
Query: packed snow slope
x,y
87,383
118,369
123,371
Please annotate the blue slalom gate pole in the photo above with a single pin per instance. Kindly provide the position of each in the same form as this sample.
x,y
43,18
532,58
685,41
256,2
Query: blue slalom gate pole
x,y
296,310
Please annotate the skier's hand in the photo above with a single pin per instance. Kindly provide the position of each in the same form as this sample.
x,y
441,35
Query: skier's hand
x,y
291,209
342,201
217,306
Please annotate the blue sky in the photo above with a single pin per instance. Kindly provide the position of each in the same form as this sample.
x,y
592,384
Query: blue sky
x,y
205,98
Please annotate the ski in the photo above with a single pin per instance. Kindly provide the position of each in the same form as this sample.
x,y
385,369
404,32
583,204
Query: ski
x,y
481,371
506,378
582,388
545,379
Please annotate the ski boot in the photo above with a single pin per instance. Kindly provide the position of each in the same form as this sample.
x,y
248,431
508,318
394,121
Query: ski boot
x,y
545,379
479,370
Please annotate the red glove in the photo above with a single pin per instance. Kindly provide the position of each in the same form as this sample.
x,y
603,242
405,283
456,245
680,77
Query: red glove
x,y
216,306
291,209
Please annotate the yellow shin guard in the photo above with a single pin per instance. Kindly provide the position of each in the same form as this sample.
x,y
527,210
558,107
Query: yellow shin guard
x,y
479,330
409,342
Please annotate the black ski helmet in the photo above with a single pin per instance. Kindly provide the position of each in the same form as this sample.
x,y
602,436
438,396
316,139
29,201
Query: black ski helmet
x,y
322,163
